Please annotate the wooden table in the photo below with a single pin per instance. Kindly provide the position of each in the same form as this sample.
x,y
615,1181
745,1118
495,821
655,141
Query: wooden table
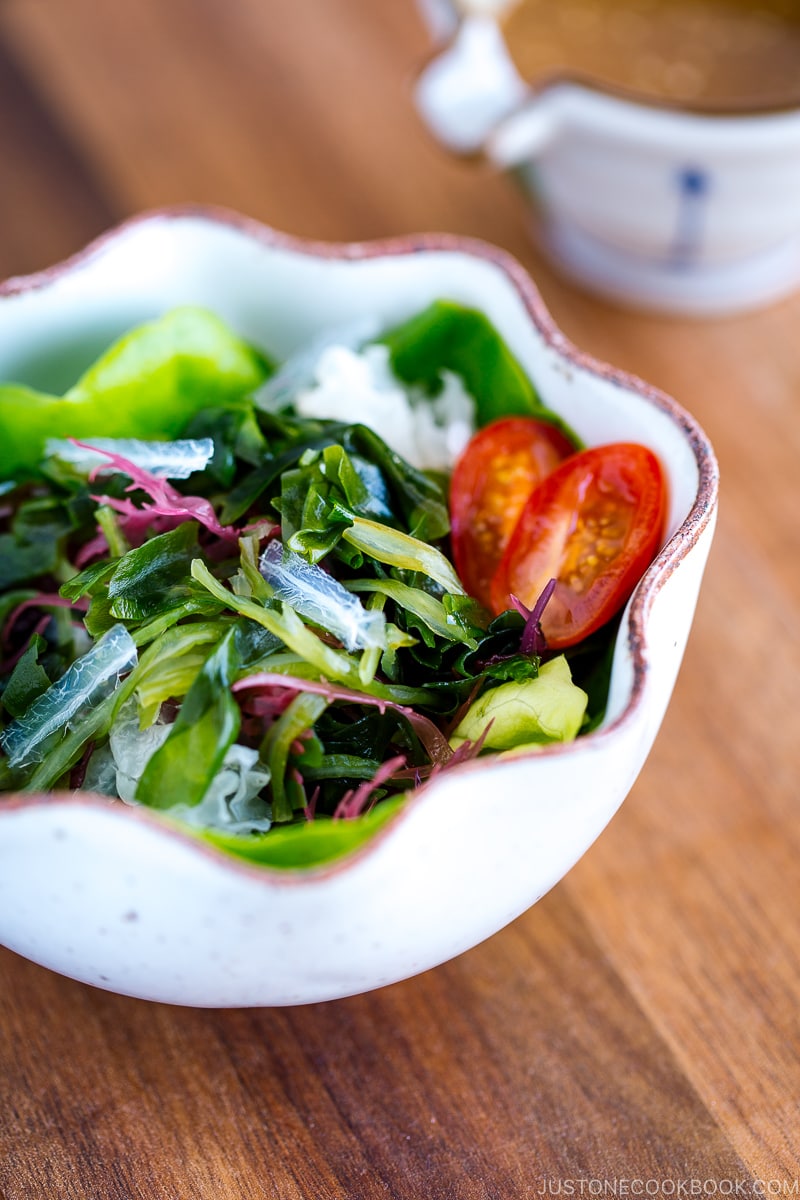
x,y
636,1032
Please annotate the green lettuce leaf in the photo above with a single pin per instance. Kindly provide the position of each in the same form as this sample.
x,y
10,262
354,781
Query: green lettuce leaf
x,y
28,680
548,708
311,844
148,385
448,336
142,580
205,728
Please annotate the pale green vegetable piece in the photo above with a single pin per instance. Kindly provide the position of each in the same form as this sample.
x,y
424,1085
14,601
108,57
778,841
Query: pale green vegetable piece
x,y
398,549
548,708
149,384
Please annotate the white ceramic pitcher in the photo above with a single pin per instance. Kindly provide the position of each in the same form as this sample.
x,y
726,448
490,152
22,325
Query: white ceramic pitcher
x,y
654,206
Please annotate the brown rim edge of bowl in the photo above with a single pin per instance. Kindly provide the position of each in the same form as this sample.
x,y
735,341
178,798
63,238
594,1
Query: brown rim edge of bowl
x,y
669,557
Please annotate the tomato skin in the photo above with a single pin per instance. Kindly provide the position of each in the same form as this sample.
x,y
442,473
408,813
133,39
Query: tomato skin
x,y
594,525
491,483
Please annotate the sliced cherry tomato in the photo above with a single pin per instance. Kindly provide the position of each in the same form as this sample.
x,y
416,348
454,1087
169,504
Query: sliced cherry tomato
x,y
491,482
594,524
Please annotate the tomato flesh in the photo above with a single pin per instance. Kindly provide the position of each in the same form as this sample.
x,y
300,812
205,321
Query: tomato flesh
x,y
501,466
594,525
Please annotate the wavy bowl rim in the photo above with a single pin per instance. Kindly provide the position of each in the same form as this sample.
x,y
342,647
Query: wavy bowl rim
x,y
684,538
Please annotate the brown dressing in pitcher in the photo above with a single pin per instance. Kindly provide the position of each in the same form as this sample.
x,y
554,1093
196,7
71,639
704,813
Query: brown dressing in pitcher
x,y
703,54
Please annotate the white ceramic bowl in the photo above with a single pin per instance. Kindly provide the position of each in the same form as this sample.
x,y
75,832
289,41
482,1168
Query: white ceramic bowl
x,y
653,206
111,895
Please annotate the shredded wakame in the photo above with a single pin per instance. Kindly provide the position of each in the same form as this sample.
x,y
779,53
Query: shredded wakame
x,y
243,616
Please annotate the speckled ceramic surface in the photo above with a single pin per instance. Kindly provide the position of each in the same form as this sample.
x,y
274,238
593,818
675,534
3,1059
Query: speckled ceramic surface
x,y
115,896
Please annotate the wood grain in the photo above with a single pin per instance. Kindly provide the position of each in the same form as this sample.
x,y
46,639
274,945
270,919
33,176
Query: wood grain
x,y
231,107
642,1020
523,1061
49,203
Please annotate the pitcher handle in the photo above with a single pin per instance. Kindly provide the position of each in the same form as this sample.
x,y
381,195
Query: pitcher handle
x,y
525,133
468,88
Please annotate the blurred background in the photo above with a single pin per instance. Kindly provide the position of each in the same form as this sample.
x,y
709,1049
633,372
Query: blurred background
x,y
296,113
299,113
